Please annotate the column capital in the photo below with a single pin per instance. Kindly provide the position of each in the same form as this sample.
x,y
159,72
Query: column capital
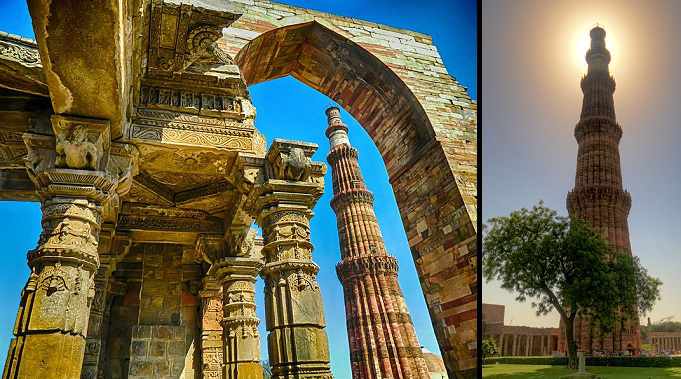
x,y
80,160
291,178
236,268
210,287
291,161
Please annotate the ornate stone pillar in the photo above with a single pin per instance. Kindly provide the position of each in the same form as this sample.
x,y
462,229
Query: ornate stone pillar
x,y
97,325
93,343
297,340
73,176
212,352
240,324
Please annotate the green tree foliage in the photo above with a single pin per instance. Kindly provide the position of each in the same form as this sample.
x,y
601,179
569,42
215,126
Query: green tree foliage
x,y
489,348
562,264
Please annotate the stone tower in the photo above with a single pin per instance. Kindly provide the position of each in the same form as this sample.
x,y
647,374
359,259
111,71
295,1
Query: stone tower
x,y
599,197
382,339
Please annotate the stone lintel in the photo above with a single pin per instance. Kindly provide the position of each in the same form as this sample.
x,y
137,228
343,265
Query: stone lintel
x,y
21,68
87,67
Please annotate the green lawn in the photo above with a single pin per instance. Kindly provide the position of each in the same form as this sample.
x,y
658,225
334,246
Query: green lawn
x,y
506,371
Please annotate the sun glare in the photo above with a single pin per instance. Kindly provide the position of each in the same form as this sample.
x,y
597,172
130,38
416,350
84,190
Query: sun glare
x,y
582,43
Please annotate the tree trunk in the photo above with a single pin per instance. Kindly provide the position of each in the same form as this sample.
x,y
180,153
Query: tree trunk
x,y
621,332
571,343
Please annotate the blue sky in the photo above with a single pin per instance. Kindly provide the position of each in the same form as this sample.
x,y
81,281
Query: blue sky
x,y
288,109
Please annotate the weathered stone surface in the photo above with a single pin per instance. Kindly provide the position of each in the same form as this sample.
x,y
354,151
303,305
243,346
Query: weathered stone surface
x,y
297,341
90,59
240,356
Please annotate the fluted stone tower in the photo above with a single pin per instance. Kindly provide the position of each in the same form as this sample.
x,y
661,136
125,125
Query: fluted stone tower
x,y
599,197
383,343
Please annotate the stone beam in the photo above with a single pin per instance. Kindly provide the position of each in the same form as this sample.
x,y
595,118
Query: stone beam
x,y
20,67
85,51
16,185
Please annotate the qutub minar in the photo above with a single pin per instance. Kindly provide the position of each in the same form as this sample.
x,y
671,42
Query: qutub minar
x,y
599,197
383,343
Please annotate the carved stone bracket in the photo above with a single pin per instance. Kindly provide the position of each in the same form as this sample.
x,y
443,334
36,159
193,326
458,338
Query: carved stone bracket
x,y
182,35
80,161
81,144
291,161
209,248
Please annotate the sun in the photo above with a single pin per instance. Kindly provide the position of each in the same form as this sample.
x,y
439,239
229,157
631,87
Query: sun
x,y
581,43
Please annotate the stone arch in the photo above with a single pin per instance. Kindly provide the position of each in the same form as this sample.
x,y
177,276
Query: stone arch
x,y
433,190
350,75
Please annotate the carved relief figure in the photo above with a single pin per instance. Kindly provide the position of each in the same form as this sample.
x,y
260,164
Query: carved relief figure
x,y
294,166
75,151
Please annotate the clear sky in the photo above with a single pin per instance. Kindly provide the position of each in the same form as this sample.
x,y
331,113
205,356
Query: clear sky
x,y
532,62
288,109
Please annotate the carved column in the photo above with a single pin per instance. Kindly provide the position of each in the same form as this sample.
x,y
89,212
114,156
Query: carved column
x,y
97,330
297,340
211,331
71,174
93,342
240,324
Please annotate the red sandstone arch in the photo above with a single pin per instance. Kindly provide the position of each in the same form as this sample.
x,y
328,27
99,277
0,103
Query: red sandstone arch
x,y
347,73
429,169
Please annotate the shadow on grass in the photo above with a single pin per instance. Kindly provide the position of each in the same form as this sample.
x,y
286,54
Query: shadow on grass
x,y
508,371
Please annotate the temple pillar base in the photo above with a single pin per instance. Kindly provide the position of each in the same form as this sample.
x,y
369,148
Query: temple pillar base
x,y
53,355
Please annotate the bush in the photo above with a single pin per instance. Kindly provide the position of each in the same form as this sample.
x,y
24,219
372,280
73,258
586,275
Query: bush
x,y
489,348
591,361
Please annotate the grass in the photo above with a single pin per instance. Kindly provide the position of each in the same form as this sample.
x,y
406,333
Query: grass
x,y
506,371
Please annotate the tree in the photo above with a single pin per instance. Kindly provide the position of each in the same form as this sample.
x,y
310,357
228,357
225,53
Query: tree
x,y
636,291
489,348
563,264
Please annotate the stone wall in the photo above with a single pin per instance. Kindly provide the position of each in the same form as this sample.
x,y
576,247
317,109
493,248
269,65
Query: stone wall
x,y
164,343
161,351
123,316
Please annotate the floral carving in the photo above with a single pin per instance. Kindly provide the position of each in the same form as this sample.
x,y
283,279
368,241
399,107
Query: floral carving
x,y
22,54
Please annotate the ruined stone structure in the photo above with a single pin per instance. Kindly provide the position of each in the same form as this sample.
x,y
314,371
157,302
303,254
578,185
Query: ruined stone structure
x,y
513,340
665,342
136,134
383,342
599,197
